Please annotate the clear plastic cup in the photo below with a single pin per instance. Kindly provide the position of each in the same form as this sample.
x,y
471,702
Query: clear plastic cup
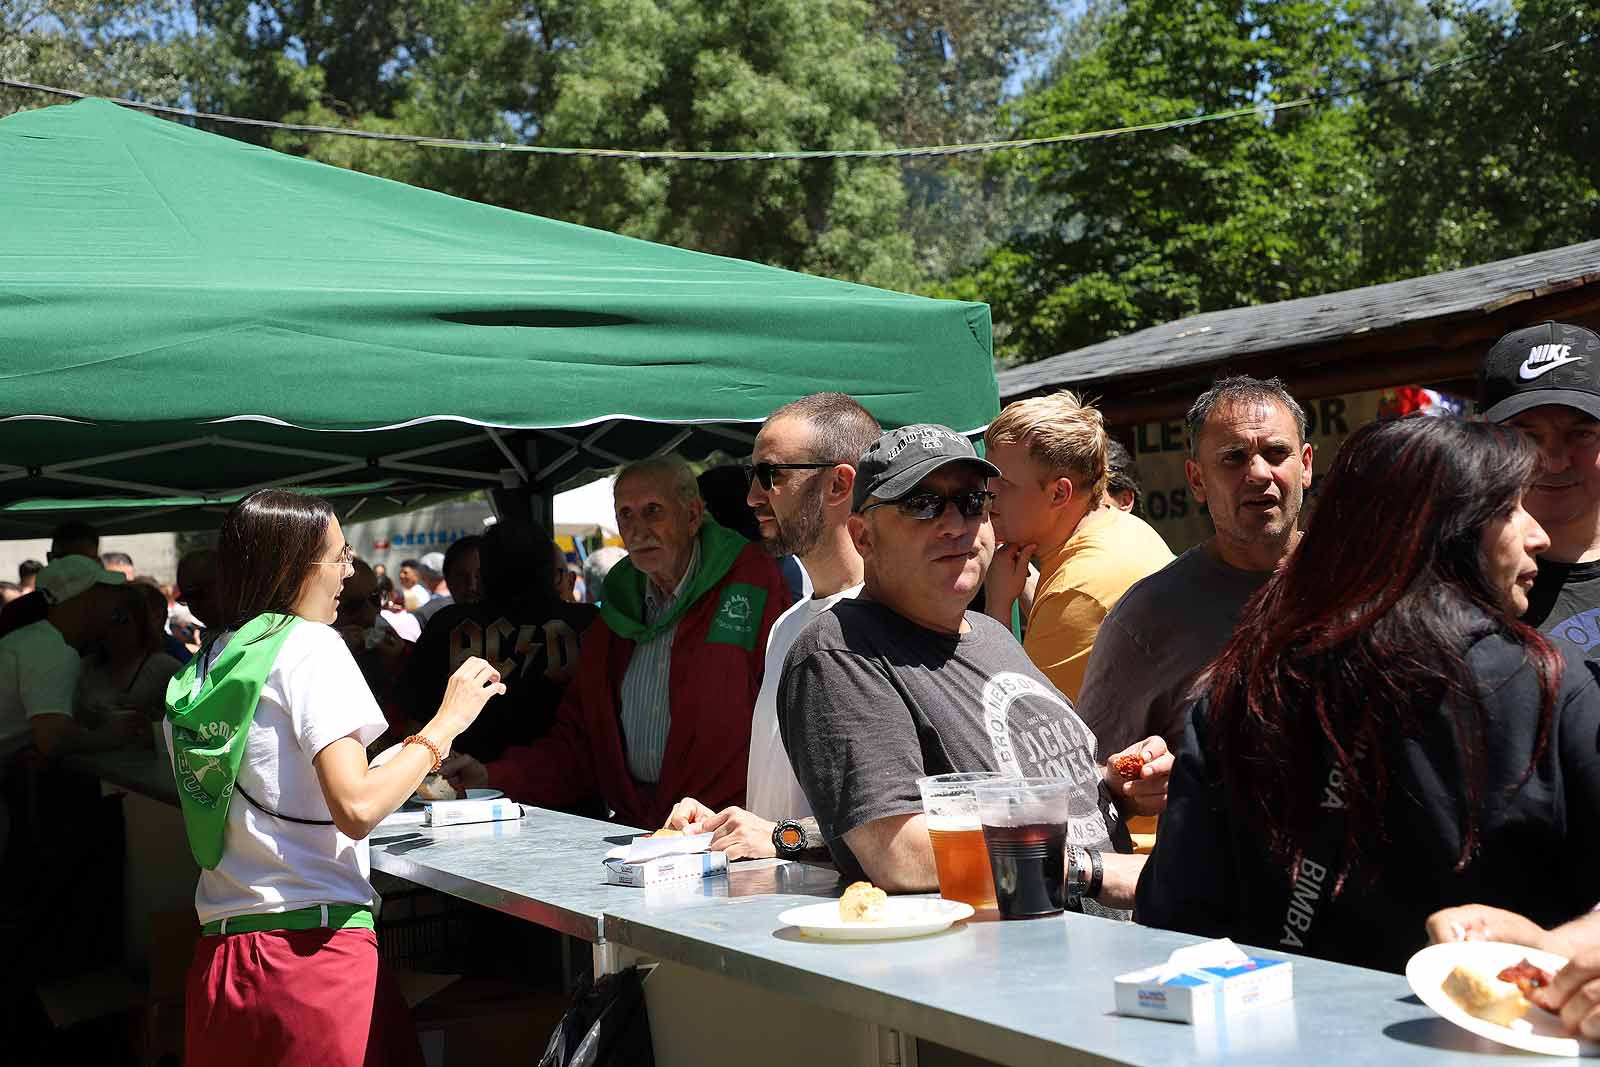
x,y
951,811
1025,831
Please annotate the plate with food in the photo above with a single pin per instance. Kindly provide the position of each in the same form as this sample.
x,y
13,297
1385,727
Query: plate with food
x,y
437,787
1483,987
867,913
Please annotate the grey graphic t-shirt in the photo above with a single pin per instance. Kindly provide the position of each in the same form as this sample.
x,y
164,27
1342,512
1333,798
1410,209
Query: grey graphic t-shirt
x,y
869,702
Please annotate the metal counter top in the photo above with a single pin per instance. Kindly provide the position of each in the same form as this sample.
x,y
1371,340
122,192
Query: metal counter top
x,y
546,868
1040,991
1015,992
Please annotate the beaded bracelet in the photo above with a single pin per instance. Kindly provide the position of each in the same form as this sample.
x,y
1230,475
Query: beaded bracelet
x,y
438,760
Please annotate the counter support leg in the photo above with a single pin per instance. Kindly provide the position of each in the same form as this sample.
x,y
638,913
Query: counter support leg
x,y
605,959
894,1048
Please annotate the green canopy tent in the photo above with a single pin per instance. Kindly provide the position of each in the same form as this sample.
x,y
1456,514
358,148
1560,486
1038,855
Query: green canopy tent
x,y
184,318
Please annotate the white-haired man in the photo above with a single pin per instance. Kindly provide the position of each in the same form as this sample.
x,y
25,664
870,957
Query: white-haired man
x,y
667,677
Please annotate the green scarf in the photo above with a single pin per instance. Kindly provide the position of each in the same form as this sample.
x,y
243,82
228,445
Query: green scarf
x,y
210,726
623,604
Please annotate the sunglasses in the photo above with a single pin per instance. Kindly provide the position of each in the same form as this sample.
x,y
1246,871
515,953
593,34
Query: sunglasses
x,y
765,472
928,505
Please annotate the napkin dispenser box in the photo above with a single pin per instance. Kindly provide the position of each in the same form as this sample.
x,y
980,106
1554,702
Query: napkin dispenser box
x,y
675,868
1204,993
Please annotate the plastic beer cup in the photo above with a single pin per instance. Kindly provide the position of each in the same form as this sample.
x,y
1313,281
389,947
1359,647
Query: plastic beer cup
x,y
951,811
1025,830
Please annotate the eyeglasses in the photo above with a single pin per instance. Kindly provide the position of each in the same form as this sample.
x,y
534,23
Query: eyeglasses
x,y
347,556
928,505
764,472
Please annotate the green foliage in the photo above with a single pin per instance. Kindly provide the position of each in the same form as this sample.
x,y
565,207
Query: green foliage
x,y
1153,227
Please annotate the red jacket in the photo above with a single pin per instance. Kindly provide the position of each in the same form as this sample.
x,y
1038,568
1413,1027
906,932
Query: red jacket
x,y
712,687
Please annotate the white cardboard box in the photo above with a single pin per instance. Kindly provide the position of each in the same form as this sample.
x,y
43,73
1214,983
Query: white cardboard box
x,y
666,868
1204,993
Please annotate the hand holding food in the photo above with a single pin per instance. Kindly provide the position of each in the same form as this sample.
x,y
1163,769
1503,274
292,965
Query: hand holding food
x,y
436,787
1137,777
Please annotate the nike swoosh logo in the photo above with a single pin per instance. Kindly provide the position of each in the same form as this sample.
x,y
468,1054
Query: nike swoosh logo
x,y
1529,372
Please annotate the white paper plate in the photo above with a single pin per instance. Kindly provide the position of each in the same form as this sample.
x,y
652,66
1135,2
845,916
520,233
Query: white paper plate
x,y
1427,970
472,794
902,917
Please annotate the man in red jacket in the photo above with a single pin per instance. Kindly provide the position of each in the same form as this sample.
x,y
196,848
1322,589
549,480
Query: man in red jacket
x,y
667,676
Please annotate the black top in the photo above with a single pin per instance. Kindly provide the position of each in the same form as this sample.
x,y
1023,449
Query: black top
x,y
1209,873
534,649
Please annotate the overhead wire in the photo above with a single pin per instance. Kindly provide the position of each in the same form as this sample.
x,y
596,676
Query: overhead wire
x,y
1262,109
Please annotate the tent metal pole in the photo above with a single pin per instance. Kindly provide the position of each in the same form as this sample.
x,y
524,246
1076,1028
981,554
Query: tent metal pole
x,y
516,465
423,468
677,439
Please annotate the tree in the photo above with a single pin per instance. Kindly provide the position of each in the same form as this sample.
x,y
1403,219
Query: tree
x,y
128,48
1495,158
1153,227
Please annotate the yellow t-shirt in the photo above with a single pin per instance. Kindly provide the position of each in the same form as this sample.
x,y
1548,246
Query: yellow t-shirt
x,y
1079,583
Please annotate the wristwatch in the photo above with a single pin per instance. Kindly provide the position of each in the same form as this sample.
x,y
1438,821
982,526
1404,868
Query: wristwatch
x,y
788,839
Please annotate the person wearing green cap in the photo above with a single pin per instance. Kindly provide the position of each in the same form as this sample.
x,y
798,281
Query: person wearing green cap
x,y
268,728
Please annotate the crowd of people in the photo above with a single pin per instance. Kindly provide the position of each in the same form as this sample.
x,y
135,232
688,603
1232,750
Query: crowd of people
x,y
1355,730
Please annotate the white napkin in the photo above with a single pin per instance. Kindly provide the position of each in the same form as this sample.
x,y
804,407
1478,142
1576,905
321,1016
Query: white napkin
x,y
651,848
1219,953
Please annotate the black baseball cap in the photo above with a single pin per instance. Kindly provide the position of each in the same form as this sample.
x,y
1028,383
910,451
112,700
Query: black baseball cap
x,y
893,464
1552,363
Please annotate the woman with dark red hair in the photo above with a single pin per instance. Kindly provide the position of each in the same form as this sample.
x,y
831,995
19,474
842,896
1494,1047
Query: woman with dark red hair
x,y
1381,737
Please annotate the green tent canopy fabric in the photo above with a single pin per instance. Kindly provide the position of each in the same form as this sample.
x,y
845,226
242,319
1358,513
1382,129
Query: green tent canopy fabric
x,y
187,316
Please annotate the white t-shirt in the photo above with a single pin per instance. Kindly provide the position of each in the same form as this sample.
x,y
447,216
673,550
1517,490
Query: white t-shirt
x,y
772,791
313,696
38,676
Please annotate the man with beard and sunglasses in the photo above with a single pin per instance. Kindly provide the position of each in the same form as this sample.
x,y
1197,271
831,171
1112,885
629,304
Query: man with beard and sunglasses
x,y
801,476
904,681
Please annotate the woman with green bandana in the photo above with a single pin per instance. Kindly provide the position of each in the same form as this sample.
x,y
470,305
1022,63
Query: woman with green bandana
x,y
268,727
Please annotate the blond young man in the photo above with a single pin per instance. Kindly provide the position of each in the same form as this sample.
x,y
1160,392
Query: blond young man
x,y
1051,451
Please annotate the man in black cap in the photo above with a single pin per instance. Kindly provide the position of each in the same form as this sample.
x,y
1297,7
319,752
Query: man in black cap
x,y
1545,381
905,682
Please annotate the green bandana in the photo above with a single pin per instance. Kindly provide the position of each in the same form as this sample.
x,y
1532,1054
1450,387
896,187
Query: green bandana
x,y
210,723
623,604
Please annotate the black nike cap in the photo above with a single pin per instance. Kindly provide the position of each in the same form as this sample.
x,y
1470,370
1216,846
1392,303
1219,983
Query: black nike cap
x,y
1552,363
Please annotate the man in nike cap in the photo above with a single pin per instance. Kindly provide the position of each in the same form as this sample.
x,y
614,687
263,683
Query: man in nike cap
x,y
1545,381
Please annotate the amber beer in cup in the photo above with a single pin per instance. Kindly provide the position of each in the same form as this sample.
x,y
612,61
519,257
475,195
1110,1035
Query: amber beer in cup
x,y
951,812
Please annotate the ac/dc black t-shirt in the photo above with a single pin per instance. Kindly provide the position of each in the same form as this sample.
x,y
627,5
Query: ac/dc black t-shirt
x,y
1565,602
536,654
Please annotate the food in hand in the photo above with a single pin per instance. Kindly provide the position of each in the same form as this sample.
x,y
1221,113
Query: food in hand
x,y
663,832
1527,977
862,903
1483,995
1128,766
436,787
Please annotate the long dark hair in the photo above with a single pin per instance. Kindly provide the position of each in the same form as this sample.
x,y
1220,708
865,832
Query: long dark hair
x,y
1362,635
265,549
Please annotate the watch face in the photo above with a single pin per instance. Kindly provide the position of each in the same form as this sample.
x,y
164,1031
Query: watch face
x,y
791,837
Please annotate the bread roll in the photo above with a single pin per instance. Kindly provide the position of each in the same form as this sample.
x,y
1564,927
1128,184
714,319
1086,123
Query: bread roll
x,y
436,787
862,903
667,833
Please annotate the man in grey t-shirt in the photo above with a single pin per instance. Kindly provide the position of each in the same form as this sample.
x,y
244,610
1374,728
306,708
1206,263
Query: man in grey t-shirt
x,y
1250,465
904,682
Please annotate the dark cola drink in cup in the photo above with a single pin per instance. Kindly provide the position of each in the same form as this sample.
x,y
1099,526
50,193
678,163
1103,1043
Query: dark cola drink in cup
x,y
1025,830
